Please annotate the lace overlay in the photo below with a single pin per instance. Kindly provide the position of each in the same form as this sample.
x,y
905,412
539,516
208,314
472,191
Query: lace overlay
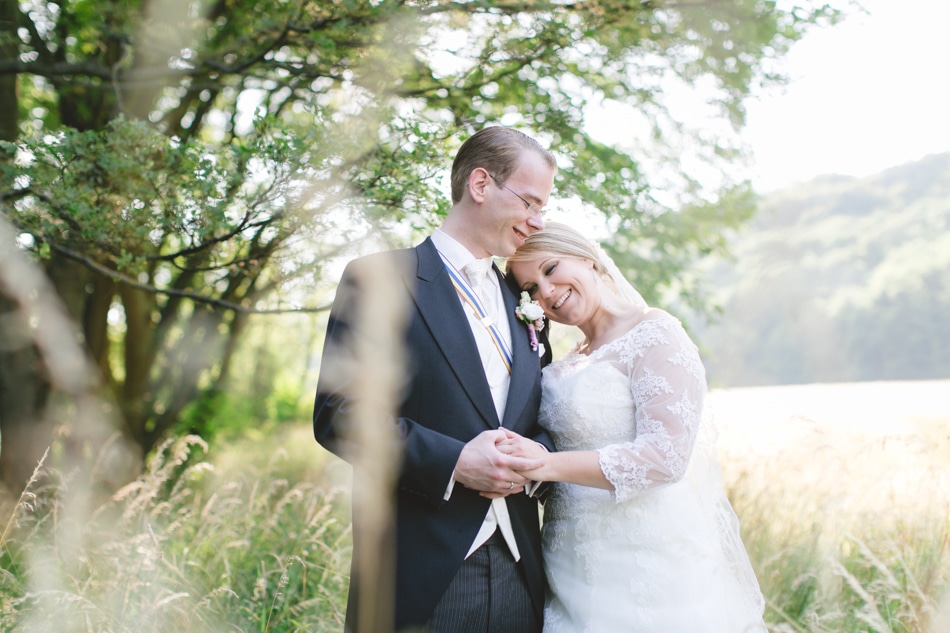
x,y
660,553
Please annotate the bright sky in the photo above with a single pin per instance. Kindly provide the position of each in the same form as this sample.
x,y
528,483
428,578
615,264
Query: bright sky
x,y
865,95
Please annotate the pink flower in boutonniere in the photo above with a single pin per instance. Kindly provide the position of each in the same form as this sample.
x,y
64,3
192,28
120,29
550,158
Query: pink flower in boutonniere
x,y
532,314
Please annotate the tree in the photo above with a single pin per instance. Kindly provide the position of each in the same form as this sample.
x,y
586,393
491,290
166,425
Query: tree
x,y
181,165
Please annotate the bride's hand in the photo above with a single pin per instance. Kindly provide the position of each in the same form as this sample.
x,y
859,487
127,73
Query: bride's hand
x,y
518,446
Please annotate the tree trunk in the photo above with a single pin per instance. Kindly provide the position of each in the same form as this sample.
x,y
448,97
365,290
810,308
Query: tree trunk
x,y
24,390
9,103
187,370
135,394
95,324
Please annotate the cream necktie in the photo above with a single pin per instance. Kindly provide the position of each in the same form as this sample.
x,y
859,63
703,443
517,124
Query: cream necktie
x,y
477,272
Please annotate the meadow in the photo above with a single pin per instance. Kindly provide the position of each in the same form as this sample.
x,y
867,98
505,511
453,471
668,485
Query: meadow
x,y
842,491
844,495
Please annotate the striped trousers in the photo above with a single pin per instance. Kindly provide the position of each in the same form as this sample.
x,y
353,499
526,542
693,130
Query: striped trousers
x,y
488,595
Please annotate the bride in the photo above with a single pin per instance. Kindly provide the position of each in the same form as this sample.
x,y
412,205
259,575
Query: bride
x,y
638,535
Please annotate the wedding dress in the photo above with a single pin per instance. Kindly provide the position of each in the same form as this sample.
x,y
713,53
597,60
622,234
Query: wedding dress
x,y
660,553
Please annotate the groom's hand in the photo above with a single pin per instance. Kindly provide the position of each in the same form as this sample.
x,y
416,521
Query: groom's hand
x,y
481,466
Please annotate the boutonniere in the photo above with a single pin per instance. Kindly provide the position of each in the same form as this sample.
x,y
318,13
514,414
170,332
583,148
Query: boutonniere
x,y
532,314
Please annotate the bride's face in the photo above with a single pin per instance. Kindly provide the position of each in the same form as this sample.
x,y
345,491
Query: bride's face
x,y
564,286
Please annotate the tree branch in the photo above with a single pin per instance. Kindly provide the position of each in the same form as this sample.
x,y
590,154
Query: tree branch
x,y
199,298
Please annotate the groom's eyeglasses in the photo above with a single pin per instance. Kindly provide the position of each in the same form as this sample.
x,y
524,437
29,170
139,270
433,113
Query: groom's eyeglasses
x,y
530,207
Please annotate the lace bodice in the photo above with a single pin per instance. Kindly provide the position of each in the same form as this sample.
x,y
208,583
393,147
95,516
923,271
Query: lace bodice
x,y
653,370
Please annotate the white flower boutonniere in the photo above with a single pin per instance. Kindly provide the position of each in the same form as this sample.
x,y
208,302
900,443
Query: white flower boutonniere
x,y
532,314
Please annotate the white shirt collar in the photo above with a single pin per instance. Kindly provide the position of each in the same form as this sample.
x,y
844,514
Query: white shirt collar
x,y
451,250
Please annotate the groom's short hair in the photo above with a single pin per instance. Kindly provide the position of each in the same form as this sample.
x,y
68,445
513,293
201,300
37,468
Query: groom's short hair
x,y
495,149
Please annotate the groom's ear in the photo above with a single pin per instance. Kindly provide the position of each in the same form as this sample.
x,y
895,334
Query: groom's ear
x,y
478,182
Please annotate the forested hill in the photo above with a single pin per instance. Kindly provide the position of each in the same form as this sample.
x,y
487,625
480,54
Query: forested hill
x,y
838,279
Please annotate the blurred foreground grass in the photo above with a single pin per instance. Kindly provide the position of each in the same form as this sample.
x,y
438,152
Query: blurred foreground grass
x,y
848,531
253,538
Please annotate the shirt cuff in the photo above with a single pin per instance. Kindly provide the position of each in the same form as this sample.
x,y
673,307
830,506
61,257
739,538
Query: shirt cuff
x,y
449,488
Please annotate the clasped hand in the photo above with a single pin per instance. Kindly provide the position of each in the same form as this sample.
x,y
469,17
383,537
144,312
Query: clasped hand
x,y
496,473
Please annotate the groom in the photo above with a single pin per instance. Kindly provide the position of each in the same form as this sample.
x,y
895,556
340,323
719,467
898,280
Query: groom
x,y
467,543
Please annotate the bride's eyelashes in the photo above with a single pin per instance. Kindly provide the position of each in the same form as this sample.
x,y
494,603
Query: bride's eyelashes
x,y
547,271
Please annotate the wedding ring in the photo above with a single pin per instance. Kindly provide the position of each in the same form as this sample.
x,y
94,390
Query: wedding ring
x,y
511,485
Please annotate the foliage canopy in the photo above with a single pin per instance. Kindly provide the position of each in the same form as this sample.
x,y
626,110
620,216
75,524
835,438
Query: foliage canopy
x,y
180,165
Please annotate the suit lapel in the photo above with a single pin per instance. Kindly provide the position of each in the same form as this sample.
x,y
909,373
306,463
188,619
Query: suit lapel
x,y
524,367
439,305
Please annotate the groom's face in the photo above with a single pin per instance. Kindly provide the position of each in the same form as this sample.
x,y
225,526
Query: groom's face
x,y
510,212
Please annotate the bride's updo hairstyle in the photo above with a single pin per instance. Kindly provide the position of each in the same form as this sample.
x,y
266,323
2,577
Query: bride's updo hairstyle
x,y
560,240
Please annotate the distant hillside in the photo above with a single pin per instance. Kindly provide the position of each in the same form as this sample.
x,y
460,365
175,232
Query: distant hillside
x,y
839,279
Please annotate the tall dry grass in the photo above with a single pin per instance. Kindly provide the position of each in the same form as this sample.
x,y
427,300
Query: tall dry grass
x,y
848,524
847,535
258,541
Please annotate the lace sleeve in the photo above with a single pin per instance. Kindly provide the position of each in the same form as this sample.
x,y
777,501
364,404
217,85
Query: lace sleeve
x,y
668,383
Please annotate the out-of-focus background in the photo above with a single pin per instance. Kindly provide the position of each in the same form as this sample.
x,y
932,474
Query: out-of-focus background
x,y
183,181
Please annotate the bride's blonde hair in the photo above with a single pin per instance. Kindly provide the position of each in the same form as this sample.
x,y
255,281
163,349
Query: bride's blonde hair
x,y
560,240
